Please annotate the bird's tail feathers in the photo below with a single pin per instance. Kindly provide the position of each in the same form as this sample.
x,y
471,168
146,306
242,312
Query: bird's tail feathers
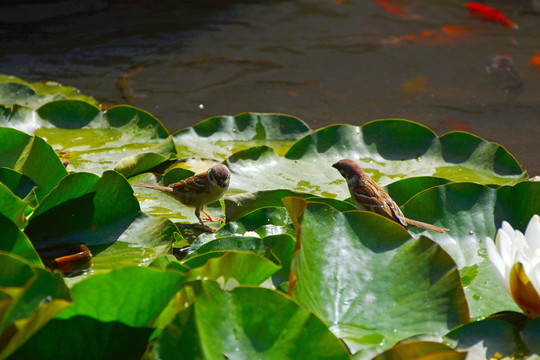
x,y
426,226
157,187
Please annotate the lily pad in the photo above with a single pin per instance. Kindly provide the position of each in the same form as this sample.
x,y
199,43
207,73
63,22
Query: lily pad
x,y
15,91
30,155
112,314
381,148
363,274
473,212
233,324
20,184
264,221
531,336
421,350
29,298
14,241
394,149
136,164
402,190
12,207
219,137
237,206
89,139
231,268
280,247
103,214
487,339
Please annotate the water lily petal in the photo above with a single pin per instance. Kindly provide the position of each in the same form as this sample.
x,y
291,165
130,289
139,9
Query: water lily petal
x,y
507,228
501,269
523,291
505,245
532,233
534,276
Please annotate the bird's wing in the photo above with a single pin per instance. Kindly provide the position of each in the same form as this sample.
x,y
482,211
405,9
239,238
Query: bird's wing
x,y
368,194
377,200
196,184
398,215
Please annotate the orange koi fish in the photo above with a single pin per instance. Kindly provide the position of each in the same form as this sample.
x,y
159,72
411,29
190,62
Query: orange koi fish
x,y
451,124
397,10
447,34
490,14
535,61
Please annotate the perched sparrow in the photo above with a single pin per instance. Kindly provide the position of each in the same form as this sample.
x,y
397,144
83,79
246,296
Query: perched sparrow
x,y
368,193
198,190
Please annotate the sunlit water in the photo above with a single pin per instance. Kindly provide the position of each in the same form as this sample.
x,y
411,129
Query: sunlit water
x,y
325,61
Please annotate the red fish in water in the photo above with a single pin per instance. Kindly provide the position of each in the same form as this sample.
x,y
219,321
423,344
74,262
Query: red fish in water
x,y
490,14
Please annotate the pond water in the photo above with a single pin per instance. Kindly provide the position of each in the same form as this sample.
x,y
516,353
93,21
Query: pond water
x,y
324,61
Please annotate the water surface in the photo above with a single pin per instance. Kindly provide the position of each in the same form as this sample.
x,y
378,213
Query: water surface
x,y
325,61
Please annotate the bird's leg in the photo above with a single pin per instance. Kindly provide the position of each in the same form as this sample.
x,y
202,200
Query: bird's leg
x,y
204,227
198,215
209,217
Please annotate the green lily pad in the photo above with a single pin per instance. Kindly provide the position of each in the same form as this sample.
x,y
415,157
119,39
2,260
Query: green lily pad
x,y
136,164
219,137
89,139
105,296
402,191
264,221
84,208
279,246
487,339
14,241
473,212
421,350
234,325
103,214
68,114
231,268
15,91
531,336
388,150
29,298
12,207
239,205
20,184
375,285
394,149
64,339
29,156
112,314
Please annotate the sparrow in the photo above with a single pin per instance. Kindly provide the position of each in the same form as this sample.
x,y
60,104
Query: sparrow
x,y
369,194
198,190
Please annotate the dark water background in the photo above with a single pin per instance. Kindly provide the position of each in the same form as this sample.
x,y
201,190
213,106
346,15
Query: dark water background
x,y
325,61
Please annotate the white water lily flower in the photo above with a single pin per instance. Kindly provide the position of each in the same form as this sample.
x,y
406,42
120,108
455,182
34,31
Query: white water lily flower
x,y
516,259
